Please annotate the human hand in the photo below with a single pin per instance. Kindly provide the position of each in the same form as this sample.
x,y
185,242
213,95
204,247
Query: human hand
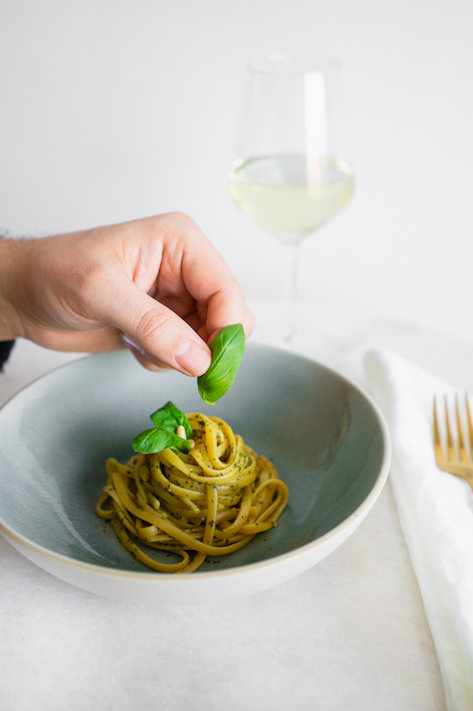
x,y
156,284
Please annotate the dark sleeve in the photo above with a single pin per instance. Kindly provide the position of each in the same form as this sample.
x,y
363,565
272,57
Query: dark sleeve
x,y
5,350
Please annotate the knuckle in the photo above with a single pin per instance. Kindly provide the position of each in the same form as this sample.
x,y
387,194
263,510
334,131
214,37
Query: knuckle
x,y
154,322
232,290
90,277
88,280
182,217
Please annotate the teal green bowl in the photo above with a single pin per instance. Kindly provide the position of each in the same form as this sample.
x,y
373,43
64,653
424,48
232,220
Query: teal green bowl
x,y
326,437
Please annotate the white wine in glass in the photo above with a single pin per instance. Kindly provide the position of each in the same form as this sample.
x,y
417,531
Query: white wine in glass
x,y
288,176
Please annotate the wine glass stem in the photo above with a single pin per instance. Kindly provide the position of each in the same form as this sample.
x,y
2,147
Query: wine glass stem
x,y
290,296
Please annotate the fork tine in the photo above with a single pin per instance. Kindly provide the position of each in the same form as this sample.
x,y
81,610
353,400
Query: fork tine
x,y
470,425
448,460
452,455
463,453
439,454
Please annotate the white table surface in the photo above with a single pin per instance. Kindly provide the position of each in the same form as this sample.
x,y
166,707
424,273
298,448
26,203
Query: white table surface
x,y
351,633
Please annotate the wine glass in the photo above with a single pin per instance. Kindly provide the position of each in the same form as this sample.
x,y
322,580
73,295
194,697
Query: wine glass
x,y
288,176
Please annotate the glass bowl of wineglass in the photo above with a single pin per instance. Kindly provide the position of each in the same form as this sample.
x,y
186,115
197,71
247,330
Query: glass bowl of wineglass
x,y
289,175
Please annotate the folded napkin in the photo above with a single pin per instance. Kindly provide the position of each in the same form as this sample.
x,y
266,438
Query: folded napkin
x,y
436,513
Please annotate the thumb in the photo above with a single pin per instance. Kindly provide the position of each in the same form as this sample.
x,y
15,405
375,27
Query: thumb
x,y
156,331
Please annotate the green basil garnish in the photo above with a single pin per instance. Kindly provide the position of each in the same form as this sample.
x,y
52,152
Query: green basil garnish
x,y
157,439
166,420
170,417
227,353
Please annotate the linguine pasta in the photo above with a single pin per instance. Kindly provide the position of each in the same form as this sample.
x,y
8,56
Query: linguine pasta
x,y
209,502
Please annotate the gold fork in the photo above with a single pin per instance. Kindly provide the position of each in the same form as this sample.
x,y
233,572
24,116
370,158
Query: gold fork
x,y
449,461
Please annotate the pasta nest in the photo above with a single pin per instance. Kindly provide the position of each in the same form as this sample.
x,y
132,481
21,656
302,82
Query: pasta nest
x,y
211,501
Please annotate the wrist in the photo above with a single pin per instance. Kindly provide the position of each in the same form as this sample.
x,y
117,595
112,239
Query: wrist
x,y
10,323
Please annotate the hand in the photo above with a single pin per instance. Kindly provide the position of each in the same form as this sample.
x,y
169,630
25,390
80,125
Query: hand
x,y
156,284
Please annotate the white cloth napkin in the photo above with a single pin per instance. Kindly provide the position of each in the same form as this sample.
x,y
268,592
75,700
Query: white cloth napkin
x,y
436,513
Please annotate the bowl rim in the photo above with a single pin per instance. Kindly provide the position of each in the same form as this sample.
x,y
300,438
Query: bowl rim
x,y
363,508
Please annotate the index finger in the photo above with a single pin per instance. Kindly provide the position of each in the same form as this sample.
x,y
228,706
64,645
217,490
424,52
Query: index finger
x,y
225,309
207,278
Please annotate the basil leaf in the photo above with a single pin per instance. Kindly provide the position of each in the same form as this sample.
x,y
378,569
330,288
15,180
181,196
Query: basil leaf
x,y
157,439
170,417
227,353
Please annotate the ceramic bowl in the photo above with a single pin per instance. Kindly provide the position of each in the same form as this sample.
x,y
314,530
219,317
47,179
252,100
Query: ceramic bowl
x,y
326,437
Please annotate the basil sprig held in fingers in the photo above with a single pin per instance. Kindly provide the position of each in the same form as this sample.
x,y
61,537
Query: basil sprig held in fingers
x,y
166,420
227,353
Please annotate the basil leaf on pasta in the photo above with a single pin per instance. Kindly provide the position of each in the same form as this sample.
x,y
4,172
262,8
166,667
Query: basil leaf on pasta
x,y
157,439
227,353
170,417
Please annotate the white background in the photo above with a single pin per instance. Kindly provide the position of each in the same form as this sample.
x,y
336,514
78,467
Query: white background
x,y
112,110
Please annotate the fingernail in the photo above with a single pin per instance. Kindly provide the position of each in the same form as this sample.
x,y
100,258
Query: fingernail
x,y
130,342
193,358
